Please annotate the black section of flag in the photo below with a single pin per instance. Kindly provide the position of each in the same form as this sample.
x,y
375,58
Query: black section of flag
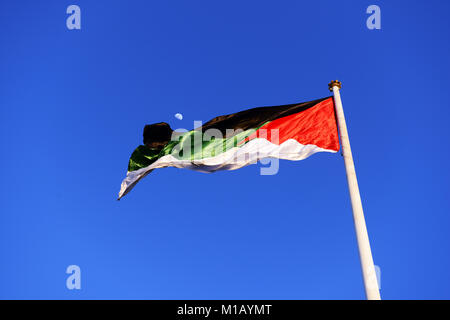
x,y
255,117
159,134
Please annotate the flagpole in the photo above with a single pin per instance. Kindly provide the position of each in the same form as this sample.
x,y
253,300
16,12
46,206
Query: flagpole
x,y
365,254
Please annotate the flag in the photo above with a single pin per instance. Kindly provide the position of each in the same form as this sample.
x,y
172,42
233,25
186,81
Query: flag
x,y
229,142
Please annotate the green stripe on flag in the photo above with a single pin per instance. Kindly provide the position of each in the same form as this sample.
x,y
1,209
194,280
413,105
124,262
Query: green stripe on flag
x,y
192,145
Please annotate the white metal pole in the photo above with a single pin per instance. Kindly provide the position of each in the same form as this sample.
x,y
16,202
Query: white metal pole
x,y
365,254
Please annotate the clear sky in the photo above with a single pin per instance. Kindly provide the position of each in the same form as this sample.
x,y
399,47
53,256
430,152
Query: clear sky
x,y
74,103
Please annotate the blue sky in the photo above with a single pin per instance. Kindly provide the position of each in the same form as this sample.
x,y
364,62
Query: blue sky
x,y
74,104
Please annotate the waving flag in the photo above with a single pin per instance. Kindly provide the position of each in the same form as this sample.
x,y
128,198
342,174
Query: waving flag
x,y
229,142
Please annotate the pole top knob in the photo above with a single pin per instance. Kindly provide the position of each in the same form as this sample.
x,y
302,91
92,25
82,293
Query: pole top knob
x,y
334,83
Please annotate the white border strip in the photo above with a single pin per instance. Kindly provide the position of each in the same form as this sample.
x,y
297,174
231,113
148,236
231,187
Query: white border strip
x,y
232,159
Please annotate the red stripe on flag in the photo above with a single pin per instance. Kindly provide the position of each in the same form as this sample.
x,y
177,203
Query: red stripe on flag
x,y
316,125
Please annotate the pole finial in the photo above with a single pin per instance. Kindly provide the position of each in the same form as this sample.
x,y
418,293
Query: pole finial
x,y
334,83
